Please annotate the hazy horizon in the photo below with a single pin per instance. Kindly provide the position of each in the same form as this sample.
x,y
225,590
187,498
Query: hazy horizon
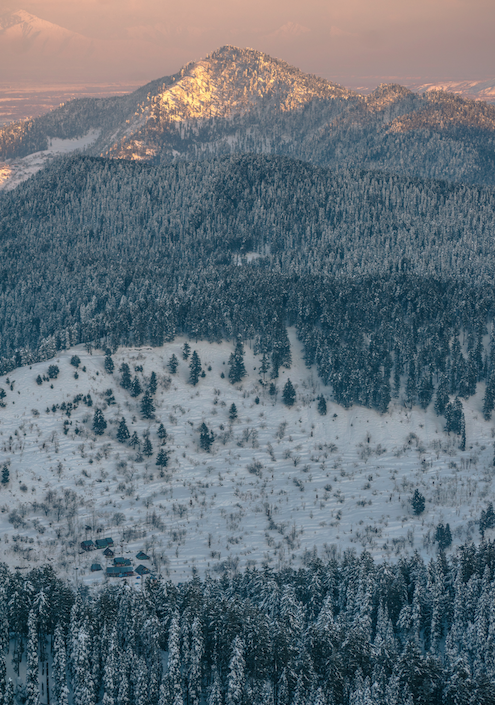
x,y
348,42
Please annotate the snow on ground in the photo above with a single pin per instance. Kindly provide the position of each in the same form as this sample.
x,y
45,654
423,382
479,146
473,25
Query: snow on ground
x,y
15,171
278,482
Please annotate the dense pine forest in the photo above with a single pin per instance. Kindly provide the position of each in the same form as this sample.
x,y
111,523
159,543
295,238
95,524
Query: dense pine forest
x,y
388,280
348,631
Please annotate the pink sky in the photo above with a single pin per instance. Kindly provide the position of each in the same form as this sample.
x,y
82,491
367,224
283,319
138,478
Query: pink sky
x,y
342,40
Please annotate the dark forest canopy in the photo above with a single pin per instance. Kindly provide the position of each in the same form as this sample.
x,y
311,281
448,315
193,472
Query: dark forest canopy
x,y
377,272
344,632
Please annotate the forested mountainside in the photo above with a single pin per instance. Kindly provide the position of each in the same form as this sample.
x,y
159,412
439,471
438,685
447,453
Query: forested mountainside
x,y
344,632
379,273
243,101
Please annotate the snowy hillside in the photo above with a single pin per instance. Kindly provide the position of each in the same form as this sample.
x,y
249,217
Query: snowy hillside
x,y
18,170
277,482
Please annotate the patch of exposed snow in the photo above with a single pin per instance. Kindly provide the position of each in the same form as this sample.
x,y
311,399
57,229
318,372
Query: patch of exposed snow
x,y
15,171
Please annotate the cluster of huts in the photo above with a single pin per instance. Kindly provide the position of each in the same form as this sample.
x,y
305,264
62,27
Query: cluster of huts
x,y
122,567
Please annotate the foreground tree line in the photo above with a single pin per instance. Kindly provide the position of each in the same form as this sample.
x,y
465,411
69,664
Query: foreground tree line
x,y
348,631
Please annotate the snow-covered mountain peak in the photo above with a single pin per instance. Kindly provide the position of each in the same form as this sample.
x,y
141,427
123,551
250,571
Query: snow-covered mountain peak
x,y
229,81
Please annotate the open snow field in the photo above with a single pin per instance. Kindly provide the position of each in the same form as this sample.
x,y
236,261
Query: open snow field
x,y
278,483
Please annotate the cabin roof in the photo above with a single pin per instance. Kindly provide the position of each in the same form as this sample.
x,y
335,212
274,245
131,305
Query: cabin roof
x,y
119,570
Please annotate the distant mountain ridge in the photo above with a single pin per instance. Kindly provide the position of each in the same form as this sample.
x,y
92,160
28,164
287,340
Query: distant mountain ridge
x,y
243,101
474,90
21,30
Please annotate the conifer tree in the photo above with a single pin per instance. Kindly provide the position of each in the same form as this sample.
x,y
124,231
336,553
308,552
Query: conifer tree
x,y
125,380
135,387
264,366
147,406
489,398
186,351
99,423
384,395
147,447
322,405
110,671
5,475
418,502
487,519
173,364
141,678
123,434
236,362
61,690
425,390
442,395
162,434
289,394
9,697
281,354
195,661
126,668
194,369
443,536
174,674
206,438
109,365
134,441
32,665
152,386
83,681
215,695
283,689
162,458
237,677
233,412
411,390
